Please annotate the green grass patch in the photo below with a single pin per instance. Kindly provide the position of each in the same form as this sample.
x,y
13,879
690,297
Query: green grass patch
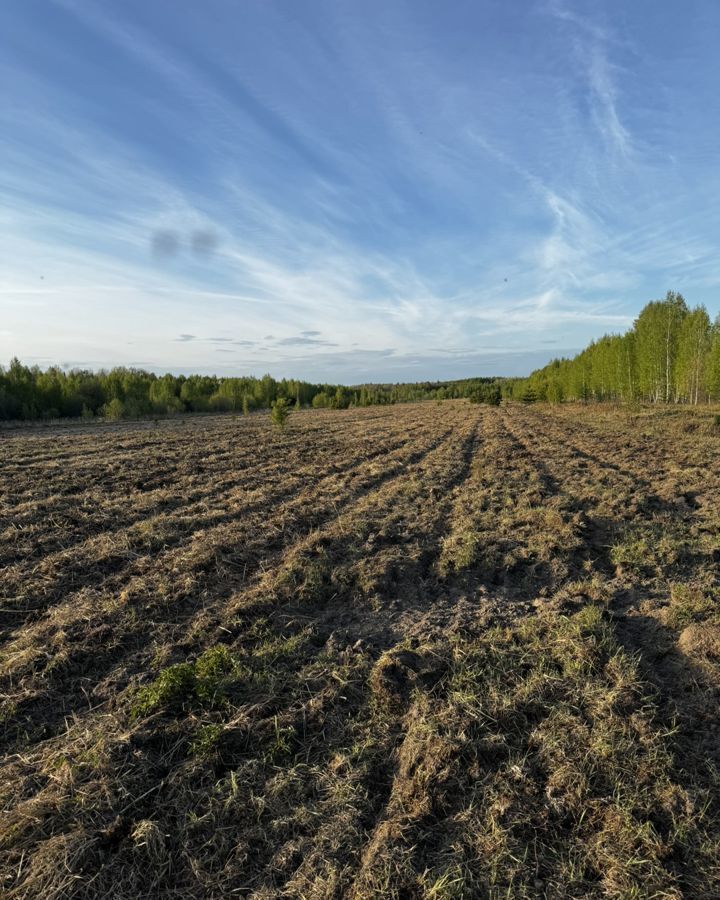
x,y
691,603
652,548
184,685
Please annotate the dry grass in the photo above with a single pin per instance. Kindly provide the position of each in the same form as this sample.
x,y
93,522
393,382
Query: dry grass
x,y
428,651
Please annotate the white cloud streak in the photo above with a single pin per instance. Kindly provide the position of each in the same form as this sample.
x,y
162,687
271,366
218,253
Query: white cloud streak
x,y
453,217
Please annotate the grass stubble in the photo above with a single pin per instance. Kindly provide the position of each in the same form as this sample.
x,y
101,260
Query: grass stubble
x,y
427,651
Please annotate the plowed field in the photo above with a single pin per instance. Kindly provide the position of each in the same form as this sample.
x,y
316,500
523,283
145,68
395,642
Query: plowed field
x,y
433,650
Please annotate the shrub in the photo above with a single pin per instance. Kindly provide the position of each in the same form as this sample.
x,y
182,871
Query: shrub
x,y
114,409
279,413
321,401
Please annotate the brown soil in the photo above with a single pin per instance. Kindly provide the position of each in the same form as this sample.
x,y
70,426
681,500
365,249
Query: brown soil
x,y
362,658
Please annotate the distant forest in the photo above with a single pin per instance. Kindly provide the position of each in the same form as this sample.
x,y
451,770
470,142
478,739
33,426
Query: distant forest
x,y
31,393
670,355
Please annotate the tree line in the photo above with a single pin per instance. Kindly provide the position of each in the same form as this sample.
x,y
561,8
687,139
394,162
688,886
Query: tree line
x,y
670,355
28,393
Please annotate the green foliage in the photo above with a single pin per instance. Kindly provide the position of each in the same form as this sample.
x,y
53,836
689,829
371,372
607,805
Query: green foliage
x,y
671,355
29,393
174,686
487,393
185,685
279,413
649,548
206,740
321,401
114,409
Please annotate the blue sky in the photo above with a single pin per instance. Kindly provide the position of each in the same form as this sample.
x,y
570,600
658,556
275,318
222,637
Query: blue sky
x,y
351,191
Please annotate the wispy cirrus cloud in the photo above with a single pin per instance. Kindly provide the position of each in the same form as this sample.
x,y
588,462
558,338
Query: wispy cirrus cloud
x,y
177,185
